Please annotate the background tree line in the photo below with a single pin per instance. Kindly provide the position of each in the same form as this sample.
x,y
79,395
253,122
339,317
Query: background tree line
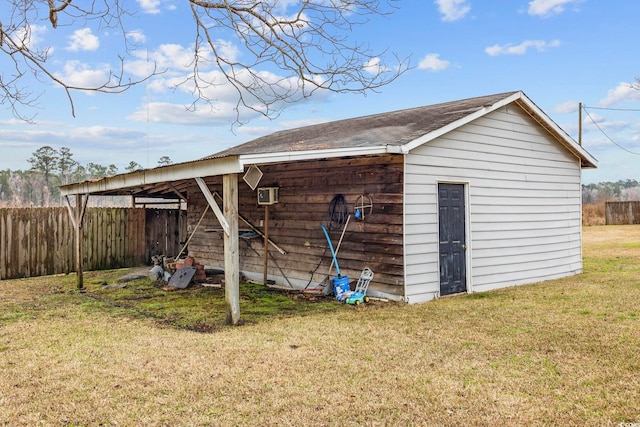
x,y
595,196
50,168
622,190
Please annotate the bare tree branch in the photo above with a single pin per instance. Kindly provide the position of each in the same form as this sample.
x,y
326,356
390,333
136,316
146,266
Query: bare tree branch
x,y
289,51
16,44
309,49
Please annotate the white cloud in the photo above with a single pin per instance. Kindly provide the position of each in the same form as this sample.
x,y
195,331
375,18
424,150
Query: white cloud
x,y
9,122
226,49
224,93
173,57
222,105
433,62
522,48
57,134
453,10
176,59
172,60
165,112
375,66
78,74
546,8
149,6
136,36
30,36
83,40
114,136
624,92
567,107
176,80
284,5
592,121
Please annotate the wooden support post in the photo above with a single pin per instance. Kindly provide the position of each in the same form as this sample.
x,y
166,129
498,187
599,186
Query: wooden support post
x,y
266,245
231,251
78,235
77,218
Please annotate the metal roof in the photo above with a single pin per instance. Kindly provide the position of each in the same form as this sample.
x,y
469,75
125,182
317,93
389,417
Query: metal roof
x,y
167,182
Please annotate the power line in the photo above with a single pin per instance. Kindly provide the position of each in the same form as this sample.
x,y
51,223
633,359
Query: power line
x,y
612,109
605,134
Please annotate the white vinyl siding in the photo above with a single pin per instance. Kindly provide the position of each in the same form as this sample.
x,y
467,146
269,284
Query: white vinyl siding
x,y
524,204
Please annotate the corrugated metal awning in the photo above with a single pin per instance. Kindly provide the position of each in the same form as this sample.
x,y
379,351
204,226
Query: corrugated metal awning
x,y
165,181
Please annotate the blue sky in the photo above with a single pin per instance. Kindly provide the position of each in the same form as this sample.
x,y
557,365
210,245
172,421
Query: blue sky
x,y
559,52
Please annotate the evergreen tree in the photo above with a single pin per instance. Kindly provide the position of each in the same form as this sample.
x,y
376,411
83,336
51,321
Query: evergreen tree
x,y
66,165
133,166
95,170
164,161
45,161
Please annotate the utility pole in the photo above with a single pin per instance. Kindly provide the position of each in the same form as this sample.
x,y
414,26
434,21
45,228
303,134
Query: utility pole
x,y
580,124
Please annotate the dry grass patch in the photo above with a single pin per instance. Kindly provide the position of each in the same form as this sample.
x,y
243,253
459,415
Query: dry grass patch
x,y
565,352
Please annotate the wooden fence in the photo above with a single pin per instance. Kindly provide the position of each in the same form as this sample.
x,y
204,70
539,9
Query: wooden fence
x,y
40,241
165,232
617,213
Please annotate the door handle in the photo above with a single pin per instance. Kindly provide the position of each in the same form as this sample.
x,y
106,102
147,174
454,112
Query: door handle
x,y
464,247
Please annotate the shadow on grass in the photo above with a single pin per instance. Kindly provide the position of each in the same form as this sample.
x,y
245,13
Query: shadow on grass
x,y
199,308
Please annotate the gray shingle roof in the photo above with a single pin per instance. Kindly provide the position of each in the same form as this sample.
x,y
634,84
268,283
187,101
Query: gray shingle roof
x,y
392,128
358,135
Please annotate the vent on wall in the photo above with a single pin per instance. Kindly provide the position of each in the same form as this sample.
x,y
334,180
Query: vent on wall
x,y
253,176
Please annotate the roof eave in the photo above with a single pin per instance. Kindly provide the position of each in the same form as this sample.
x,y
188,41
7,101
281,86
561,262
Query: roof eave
x,y
460,122
587,160
291,156
145,177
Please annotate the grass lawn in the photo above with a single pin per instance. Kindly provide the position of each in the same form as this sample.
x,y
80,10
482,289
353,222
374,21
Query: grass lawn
x,y
563,352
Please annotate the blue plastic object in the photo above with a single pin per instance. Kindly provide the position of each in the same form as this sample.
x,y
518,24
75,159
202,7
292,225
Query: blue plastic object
x,y
341,286
333,253
340,283
359,295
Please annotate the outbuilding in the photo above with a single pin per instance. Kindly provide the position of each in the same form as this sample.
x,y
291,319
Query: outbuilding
x,y
463,196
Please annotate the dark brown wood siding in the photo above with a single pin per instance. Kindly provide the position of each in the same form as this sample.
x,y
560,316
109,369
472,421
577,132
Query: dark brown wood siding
x,y
306,191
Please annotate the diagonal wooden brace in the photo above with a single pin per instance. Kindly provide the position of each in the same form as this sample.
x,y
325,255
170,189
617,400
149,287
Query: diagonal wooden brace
x,y
214,206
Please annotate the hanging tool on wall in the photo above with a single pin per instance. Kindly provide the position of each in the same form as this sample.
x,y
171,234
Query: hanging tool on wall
x,y
363,207
338,213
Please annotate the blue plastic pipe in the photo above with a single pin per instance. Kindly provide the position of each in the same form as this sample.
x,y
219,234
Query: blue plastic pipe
x,y
333,253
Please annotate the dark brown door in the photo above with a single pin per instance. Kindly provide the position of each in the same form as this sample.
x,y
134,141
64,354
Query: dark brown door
x,y
453,275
